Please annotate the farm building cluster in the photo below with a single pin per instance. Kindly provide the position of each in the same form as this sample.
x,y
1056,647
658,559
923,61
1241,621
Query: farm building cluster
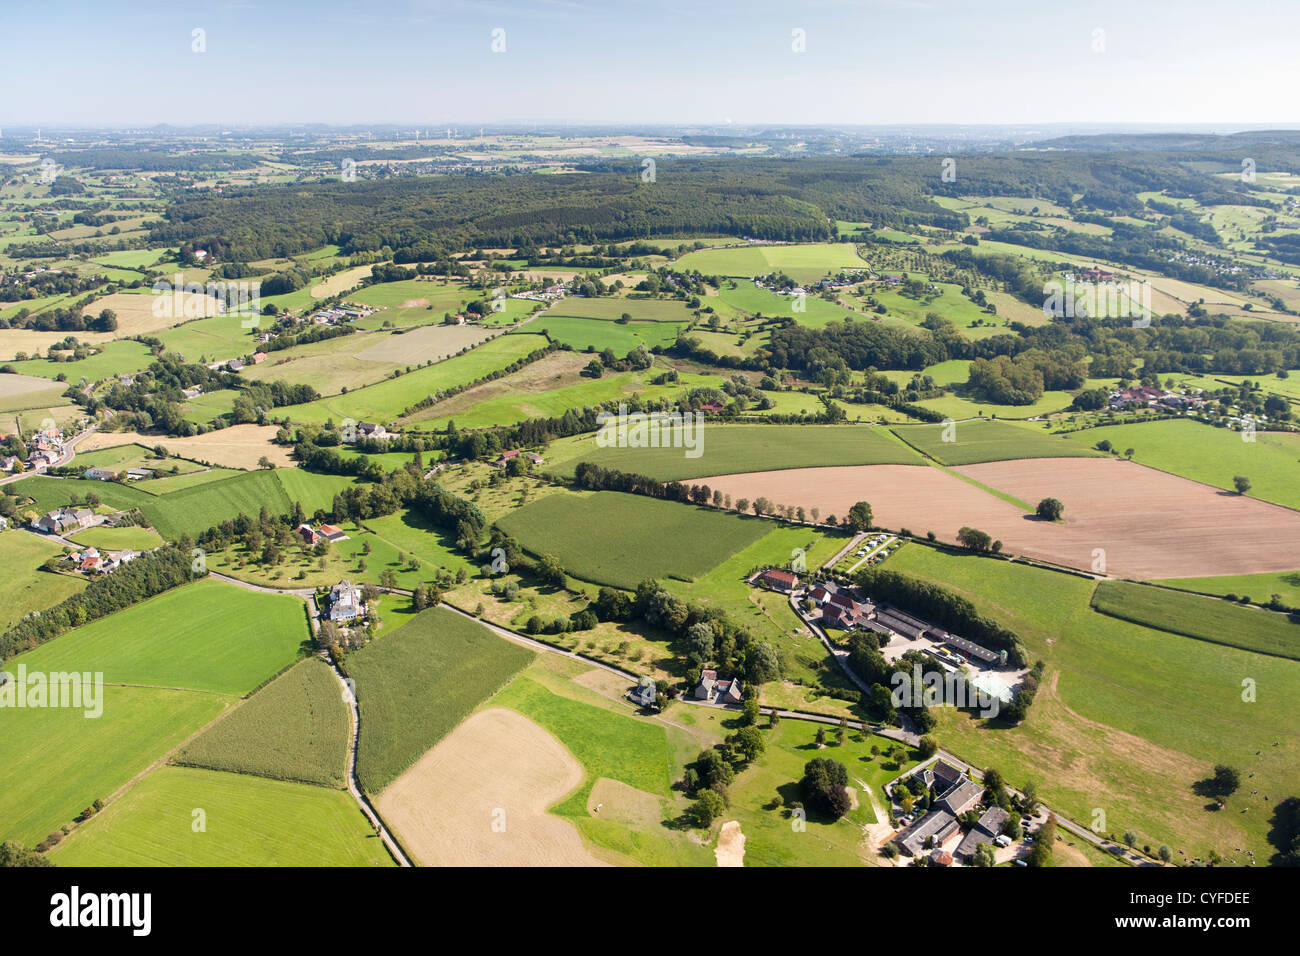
x,y
949,831
44,450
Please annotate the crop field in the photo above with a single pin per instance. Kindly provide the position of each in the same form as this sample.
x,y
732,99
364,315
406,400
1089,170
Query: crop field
x,y
1212,455
1204,618
248,821
1120,719
195,509
167,641
136,310
959,406
414,685
23,587
121,458
601,334
295,728
725,448
803,263
981,441
388,399
57,761
117,539
590,534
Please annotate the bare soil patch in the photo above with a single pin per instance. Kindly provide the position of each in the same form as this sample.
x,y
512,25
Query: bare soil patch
x,y
1145,523
615,800
498,767
730,850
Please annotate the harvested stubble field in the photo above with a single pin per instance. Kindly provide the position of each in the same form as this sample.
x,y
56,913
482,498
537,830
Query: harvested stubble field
x,y
240,446
1148,524
479,798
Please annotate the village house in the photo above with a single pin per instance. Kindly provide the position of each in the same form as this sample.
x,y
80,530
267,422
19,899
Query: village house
x,y
9,463
259,358
308,535
345,602
371,430
723,691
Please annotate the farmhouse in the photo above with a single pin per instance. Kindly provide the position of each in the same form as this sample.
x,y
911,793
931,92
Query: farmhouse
x,y
937,828
777,580
139,474
985,831
308,534
708,681
345,602
940,829
63,519
99,474
332,532
371,430
726,691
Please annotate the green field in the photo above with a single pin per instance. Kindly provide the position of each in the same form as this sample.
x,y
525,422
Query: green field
x,y
117,539
23,587
386,400
295,728
1204,618
991,441
729,449
114,358
802,263
620,539
1128,719
218,337
601,334
1258,587
57,762
1211,455
612,307
414,685
209,636
247,821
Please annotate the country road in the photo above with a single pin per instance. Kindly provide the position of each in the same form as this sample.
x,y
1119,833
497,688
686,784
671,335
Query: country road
x,y
69,453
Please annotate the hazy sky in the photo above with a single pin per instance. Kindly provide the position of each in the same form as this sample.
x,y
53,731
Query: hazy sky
x,y
101,62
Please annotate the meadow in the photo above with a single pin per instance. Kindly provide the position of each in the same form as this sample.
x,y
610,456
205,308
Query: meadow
x,y
117,539
295,728
113,358
57,762
1258,587
247,821
804,262
726,449
1204,618
171,640
982,441
414,685
600,334
23,586
593,535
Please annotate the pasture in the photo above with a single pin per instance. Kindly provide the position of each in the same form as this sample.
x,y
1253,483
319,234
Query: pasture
x,y
117,539
113,358
417,683
240,446
57,762
1204,618
247,821
208,636
1212,455
591,533
23,586
18,392
295,728
599,334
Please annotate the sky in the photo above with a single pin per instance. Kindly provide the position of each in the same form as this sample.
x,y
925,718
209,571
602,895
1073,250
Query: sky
x,y
709,62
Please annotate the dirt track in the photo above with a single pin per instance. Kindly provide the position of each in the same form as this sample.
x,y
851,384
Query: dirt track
x,y
1149,524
